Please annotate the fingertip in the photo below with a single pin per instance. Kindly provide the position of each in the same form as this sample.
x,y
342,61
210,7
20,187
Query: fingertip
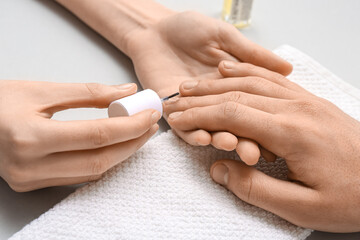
x,y
172,118
195,138
155,117
225,67
228,145
186,87
248,151
224,141
144,121
287,68
202,138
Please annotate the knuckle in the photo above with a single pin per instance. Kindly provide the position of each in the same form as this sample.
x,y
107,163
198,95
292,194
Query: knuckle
x,y
99,135
308,106
244,188
259,83
231,110
248,66
100,163
252,84
233,96
95,90
21,143
208,86
186,103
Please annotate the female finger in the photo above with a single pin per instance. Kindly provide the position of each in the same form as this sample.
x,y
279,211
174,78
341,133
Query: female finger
x,y
245,50
74,95
89,162
91,134
232,117
267,104
53,182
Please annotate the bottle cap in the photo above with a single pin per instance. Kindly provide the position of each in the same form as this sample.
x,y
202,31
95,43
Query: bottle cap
x,y
130,105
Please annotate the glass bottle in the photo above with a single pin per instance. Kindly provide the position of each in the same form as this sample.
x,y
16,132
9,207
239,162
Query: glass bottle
x,y
237,12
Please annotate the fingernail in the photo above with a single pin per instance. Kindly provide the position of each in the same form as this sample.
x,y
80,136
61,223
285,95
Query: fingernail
x,y
229,64
154,129
125,86
171,101
155,117
175,115
220,174
189,85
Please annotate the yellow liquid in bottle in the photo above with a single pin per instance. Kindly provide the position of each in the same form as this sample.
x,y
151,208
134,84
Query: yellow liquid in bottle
x,y
237,12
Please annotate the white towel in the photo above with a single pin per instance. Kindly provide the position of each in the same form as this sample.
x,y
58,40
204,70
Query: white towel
x,y
164,191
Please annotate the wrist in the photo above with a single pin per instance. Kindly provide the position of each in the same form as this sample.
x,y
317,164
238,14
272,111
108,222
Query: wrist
x,y
119,21
140,17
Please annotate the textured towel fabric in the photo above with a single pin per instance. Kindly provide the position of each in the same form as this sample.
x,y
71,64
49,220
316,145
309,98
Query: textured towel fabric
x,y
164,191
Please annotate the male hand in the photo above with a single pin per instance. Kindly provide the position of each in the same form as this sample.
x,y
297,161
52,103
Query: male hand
x,y
319,142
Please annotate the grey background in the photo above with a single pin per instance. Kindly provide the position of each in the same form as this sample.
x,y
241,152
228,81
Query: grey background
x,y
39,40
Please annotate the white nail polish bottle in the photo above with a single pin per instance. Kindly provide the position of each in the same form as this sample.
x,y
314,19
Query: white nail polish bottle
x,y
127,106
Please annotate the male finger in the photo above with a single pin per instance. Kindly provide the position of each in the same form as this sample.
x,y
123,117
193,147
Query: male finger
x,y
267,104
224,141
251,85
90,134
236,69
231,117
196,138
288,200
248,151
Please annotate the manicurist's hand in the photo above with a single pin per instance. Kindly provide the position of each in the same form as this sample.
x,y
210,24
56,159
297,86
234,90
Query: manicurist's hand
x,y
319,142
168,48
38,152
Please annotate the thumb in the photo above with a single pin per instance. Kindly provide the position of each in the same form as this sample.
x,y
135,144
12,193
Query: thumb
x,y
288,200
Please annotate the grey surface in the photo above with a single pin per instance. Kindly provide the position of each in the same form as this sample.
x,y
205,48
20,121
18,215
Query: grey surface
x,y
41,41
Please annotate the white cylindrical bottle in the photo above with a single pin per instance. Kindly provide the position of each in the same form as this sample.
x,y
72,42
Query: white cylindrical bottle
x,y
130,105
